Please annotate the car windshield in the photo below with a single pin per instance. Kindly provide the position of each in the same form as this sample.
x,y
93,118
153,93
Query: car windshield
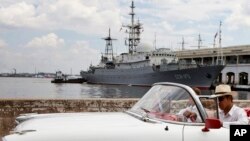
x,y
166,102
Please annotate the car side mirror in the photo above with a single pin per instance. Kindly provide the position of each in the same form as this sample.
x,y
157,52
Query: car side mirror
x,y
211,123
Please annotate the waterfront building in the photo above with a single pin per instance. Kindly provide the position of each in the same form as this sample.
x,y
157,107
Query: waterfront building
x,y
236,58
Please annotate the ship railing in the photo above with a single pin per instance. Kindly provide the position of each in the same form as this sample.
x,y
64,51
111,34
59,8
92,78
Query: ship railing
x,y
187,66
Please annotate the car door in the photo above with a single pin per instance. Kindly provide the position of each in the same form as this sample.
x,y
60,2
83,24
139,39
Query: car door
x,y
172,132
194,132
159,132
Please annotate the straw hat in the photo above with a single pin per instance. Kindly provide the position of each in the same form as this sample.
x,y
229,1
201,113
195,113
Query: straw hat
x,y
223,89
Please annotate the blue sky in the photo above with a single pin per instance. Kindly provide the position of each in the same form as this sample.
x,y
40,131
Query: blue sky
x,y
51,35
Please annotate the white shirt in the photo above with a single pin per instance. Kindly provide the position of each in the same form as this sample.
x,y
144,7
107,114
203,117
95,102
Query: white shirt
x,y
236,115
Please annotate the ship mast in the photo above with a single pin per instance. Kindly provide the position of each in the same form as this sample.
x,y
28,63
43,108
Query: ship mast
x,y
134,31
109,47
220,53
155,41
199,45
182,44
199,41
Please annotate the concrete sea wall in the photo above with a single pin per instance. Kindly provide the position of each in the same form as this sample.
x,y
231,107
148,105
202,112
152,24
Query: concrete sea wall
x,y
10,109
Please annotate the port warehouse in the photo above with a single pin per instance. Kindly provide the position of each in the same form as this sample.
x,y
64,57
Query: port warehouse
x,y
236,58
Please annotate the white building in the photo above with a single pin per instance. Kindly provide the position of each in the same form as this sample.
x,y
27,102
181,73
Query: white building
x,y
236,58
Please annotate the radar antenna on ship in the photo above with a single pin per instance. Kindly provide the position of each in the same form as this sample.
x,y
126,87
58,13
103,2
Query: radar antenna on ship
x,y
134,32
108,56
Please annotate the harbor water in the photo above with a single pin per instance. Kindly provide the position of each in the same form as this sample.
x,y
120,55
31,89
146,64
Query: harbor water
x,y
42,88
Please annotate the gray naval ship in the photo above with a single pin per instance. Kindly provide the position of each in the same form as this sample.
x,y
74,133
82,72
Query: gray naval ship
x,y
144,65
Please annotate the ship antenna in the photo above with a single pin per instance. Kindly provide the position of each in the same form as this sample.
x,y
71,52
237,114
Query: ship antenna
x,y
109,47
155,41
182,44
132,46
134,31
220,53
214,44
199,41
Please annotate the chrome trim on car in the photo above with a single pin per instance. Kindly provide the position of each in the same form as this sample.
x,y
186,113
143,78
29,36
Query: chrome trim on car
x,y
140,117
22,132
24,117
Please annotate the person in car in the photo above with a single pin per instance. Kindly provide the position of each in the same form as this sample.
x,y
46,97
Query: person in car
x,y
229,113
191,112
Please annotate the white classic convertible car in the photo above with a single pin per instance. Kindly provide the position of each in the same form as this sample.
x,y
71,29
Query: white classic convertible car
x,y
156,116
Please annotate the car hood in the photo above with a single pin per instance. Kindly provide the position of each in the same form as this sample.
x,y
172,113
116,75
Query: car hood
x,y
84,126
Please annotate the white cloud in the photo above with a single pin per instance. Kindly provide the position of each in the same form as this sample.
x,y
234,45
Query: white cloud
x,y
48,41
81,56
76,56
188,18
240,16
190,10
83,16
21,15
3,44
49,53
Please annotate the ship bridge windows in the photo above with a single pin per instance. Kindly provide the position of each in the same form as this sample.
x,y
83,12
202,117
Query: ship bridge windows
x,y
243,78
207,60
231,59
198,60
244,59
230,78
188,60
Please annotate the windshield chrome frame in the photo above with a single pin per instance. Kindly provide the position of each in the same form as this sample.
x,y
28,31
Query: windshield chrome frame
x,y
193,95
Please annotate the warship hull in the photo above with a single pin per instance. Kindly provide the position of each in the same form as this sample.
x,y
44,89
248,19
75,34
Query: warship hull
x,y
202,77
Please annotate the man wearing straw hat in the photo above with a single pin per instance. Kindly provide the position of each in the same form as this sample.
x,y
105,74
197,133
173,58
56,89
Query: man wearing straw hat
x,y
229,113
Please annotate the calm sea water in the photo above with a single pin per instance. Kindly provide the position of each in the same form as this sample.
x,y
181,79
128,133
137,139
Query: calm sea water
x,y
40,88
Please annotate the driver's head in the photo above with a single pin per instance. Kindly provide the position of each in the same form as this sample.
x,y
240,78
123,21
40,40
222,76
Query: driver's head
x,y
197,90
225,96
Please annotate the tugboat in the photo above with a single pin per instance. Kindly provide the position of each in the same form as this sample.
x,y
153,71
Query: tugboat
x,y
144,65
61,78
